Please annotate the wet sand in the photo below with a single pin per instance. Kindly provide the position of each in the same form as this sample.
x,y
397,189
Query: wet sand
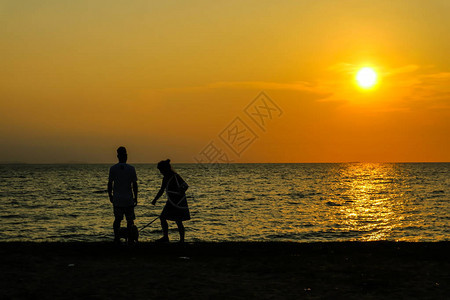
x,y
350,270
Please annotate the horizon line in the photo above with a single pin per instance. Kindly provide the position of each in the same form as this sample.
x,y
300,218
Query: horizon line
x,y
196,163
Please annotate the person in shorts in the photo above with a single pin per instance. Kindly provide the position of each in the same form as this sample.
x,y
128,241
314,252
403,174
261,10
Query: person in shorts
x,y
122,191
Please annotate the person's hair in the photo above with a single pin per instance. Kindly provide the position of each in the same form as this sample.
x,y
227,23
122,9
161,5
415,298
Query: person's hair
x,y
122,154
164,166
121,151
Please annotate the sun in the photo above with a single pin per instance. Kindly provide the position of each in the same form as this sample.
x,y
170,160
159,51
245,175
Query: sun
x,y
366,77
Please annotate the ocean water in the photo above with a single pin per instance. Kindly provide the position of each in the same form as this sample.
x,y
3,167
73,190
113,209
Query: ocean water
x,y
236,202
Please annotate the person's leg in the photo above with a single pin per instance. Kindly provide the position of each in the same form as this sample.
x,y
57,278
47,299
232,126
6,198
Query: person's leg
x,y
130,216
130,224
116,227
130,239
165,229
118,216
181,230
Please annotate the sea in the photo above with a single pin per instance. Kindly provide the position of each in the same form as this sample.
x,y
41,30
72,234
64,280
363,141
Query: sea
x,y
235,202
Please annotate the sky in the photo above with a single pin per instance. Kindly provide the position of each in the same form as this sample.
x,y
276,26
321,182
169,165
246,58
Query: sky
x,y
218,81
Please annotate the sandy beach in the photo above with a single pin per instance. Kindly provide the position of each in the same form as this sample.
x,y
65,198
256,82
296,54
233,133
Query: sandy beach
x,y
238,270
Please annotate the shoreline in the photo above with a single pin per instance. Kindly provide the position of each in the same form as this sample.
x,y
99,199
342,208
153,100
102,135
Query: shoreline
x,y
237,270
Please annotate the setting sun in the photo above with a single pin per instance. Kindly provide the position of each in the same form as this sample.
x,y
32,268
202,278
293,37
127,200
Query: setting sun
x,y
366,77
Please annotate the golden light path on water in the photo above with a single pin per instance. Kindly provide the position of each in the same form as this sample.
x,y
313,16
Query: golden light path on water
x,y
354,201
371,208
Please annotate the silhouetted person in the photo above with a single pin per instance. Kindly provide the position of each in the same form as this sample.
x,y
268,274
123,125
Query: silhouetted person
x,y
123,191
176,208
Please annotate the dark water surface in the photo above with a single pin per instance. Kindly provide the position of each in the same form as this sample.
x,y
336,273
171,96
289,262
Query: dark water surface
x,y
237,202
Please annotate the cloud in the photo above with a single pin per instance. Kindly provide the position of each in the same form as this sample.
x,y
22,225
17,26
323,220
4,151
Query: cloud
x,y
402,88
247,85
437,76
304,87
398,87
433,88
401,70
264,85
344,67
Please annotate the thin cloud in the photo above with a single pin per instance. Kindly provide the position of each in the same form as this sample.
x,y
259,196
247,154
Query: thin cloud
x,y
344,68
264,85
401,70
300,86
409,83
431,89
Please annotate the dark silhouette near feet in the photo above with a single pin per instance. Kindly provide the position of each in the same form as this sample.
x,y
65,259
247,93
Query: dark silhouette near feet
x,y
176,208
124,233
123,191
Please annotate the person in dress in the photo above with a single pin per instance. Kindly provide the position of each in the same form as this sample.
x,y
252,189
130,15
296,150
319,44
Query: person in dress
x,y
176,208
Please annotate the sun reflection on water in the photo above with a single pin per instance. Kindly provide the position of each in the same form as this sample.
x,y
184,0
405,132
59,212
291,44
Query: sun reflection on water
x,y
372,205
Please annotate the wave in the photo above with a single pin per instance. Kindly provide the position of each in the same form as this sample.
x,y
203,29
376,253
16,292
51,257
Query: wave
x,y
303,194
10,216
438,192
100,191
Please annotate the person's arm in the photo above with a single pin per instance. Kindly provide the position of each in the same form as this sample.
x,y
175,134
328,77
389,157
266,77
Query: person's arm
x,y
134,187
135,192
160,192
110,186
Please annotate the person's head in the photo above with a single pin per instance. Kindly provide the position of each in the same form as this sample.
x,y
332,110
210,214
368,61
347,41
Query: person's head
x,y
164,167
122,154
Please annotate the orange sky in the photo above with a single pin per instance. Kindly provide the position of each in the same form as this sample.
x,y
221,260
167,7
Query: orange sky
x,y
79,78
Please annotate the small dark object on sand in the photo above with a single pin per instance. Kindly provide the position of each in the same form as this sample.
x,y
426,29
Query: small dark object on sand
x,y
129,238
